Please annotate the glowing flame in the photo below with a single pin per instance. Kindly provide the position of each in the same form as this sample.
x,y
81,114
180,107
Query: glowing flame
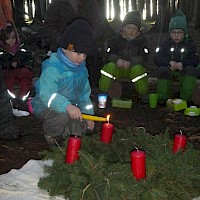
x,y
108,118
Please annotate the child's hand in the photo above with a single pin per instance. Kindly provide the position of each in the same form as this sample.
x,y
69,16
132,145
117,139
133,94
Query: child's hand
x,y
179,66
74,112
126,64
173,65
90,124
14,64
120,63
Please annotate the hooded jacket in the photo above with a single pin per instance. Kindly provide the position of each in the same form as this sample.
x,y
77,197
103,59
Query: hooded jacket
x,y
60,85
16,53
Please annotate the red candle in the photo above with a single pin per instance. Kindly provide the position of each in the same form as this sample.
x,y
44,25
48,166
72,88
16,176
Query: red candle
x,y
138,164
74,144
106,133
179,142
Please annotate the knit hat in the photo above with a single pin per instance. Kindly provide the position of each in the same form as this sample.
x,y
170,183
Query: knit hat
x,y
133,17
78,37
178,21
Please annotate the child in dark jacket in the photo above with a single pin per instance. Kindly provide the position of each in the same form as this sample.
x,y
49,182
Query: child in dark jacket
x,y
63,90
177,58
16,64
127,54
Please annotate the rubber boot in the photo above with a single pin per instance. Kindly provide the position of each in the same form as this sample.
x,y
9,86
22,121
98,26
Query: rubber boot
x,y
163,89
187,87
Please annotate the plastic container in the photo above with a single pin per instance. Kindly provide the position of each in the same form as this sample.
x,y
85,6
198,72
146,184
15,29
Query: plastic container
x,y
176,104
122,103
192,111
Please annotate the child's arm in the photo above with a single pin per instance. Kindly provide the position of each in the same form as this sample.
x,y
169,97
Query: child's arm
x,y
140,53
191,56
162,56
48,94
74,112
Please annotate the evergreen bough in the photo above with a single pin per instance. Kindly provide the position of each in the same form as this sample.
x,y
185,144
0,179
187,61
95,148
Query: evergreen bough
x,y
103,171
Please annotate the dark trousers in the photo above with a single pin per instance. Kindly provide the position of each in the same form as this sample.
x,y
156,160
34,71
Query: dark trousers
x,y
60,124
6,115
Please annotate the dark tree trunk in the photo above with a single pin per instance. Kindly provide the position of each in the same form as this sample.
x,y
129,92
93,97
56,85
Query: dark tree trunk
x,y
197,14
148,12
154,6
182,5
18,12
141,6
164,15
117,10
38,14
134,5
127,5
173,6
30,10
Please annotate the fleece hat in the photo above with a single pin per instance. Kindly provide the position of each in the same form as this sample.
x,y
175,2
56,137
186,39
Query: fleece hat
x,y
78,37
178,21
133,17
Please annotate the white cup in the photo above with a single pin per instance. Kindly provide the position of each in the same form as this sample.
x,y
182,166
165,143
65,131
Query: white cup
x,y
102,99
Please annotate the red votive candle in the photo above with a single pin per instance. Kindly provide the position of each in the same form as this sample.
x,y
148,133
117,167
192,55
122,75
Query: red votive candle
x,y
179,142
74,144
138,164
106,133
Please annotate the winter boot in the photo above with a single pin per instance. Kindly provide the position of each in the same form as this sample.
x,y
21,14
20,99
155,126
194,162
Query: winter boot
x,y
187,87
163,89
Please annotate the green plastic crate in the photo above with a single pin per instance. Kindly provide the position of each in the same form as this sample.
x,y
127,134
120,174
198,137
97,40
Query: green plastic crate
x,y
176,104
122,103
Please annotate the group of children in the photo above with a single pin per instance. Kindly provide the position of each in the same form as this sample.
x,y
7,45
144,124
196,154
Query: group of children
x,y
176,58
63,89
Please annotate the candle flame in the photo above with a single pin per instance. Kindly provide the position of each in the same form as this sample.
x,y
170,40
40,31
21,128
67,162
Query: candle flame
x,y
108,118
181,132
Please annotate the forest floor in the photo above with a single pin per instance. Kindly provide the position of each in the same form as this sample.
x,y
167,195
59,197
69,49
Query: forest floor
x,y
14,154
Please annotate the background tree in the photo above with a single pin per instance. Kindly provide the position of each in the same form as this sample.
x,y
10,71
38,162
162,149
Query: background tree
x,y
148,10
18,12
134,4
164,16
197,14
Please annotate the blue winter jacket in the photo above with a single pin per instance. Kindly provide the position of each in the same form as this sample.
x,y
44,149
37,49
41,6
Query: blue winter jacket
x,y
61,84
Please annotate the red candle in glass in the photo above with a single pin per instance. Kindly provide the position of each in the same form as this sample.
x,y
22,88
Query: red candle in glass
x,y
179,142
138,164
74,144
107,131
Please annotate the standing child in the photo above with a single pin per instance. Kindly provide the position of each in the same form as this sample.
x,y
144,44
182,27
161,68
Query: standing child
x,y
177,58
127,53
63,90
15,62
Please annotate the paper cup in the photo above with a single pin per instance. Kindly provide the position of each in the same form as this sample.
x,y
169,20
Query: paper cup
x,y
102,99
153,99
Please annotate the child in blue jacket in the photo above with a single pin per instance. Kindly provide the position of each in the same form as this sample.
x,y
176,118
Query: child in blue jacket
x,y
177,57
63,90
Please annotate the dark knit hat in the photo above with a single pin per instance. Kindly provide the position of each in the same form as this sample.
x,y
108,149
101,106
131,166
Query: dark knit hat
x,y
78,37
133,17
178,21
